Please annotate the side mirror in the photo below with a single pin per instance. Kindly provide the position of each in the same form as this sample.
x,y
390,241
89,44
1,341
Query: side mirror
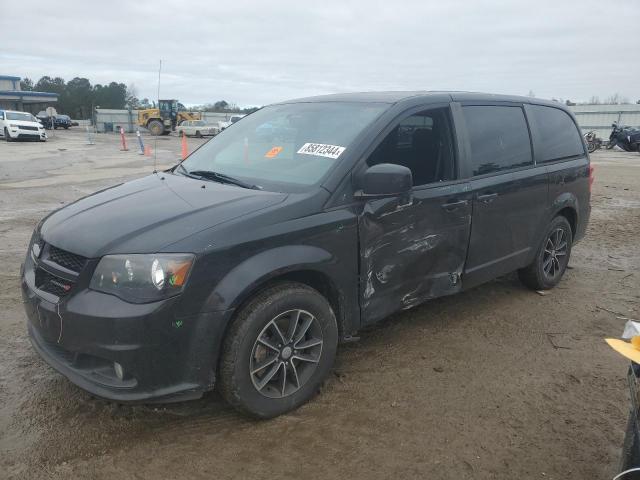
x,y
386,180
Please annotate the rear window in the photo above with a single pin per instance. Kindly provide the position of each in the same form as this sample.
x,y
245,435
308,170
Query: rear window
x,y
558,135
499,138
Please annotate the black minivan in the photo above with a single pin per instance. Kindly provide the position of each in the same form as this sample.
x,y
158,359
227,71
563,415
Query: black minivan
x,y
245,265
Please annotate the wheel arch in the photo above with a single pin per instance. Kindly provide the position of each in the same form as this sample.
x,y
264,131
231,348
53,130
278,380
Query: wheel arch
x,y
304,264
566,205
572,217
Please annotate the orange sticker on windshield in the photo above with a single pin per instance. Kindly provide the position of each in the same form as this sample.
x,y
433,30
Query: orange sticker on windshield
x,y
273,152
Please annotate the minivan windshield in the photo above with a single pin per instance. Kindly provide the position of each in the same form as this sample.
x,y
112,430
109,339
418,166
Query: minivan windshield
x,y
22,116
286,146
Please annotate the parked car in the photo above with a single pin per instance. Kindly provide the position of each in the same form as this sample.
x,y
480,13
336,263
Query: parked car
x,y
45,120
245,265
197,128
16,125
62,121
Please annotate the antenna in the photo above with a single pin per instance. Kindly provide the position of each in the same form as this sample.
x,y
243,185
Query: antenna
x,y
155,140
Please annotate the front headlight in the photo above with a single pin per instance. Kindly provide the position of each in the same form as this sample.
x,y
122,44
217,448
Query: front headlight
x,y
142,278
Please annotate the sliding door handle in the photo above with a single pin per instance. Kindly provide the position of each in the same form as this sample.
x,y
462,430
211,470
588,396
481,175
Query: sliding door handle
x,y
487,197
454,205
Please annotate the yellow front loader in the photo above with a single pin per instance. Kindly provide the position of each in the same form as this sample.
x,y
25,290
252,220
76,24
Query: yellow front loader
x,y
163,120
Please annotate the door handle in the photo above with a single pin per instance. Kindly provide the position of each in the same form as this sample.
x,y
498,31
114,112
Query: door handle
x,y
454,205
487,197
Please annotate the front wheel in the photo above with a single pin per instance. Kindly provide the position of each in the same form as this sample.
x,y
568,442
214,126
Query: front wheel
x,y
278,351
198,134
155,127
7,137
552,257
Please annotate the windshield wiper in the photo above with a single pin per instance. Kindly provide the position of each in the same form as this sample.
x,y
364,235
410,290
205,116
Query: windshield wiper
x,y
186,172
222,178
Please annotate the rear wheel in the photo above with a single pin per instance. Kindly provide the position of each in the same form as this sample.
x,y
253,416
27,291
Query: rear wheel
x,y
155,127
552,257
279,349
198,134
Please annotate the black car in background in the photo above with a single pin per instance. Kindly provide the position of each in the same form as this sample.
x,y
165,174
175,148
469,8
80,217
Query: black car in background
x,y
55,121
45,119
246,264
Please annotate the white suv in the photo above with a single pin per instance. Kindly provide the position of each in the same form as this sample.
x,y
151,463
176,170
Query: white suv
x,y
18,125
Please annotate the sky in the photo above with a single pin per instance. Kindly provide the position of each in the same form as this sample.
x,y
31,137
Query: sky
x,y
256,53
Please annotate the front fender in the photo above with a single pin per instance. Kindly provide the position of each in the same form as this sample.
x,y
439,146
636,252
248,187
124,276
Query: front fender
x,y
238,283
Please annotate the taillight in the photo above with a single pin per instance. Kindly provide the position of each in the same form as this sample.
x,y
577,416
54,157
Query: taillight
x,y
591,178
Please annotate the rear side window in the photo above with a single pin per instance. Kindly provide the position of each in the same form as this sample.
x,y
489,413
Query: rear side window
x,y
498,137
558,136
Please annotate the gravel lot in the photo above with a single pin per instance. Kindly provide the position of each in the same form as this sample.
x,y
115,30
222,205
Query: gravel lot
x,y
497,382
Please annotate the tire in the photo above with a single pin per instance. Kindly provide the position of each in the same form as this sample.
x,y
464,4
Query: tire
x,y
155,127
281,371
552,257
198,134
7,137
591,146
66,127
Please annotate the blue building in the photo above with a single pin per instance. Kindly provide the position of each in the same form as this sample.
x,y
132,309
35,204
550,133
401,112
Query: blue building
x,y
12,98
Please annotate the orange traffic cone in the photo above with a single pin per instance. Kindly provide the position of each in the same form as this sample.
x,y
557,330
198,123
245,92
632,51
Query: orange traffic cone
x,y
184,146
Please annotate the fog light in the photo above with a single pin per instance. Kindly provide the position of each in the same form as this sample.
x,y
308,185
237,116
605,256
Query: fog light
x,y
119,371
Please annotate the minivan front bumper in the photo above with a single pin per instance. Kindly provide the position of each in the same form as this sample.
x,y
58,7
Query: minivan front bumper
x,y
164,357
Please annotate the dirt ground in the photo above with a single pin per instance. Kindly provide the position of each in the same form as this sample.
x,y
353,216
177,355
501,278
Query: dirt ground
x,y
498,382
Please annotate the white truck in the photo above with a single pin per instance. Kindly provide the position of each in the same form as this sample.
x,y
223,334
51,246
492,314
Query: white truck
x,y
197,128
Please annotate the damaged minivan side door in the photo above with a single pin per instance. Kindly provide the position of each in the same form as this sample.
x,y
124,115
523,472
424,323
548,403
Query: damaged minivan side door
x,y
413,246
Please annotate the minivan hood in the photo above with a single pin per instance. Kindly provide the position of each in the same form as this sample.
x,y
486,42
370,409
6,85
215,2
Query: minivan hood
x,y
145,215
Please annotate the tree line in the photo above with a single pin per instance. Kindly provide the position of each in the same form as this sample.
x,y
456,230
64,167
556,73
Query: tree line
x,y
78,97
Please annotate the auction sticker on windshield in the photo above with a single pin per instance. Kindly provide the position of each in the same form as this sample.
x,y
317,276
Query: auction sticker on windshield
x,y
273,152
322,150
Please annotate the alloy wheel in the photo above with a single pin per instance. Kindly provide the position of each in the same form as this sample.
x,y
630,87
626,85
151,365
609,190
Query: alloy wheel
x,y
286,353
555,253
